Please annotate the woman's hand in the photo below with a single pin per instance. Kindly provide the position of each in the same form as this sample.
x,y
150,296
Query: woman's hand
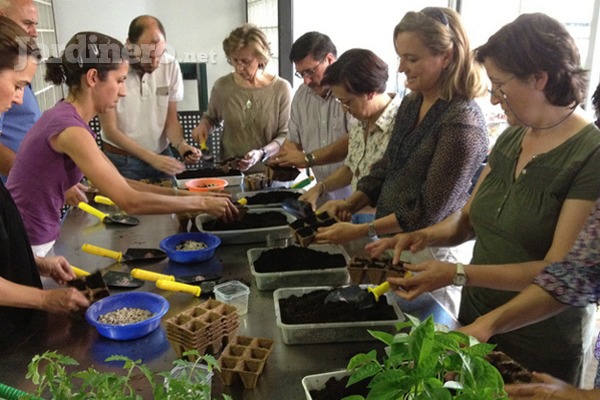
x,y
190,154
311,196
339,233
413,241
168,165
427,276
68,300
546,387
76,194
339,208
478,329
56,267
221,207
250,159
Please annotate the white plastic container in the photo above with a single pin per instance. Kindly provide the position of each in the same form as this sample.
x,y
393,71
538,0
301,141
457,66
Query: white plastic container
x,y
234,293
318,381
334,332
313,277
256,235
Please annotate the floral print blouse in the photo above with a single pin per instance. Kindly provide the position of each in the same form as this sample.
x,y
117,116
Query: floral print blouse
x,y
576,280
363,153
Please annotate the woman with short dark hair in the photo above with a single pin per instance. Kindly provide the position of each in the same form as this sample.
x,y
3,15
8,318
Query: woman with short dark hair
x,y
358,80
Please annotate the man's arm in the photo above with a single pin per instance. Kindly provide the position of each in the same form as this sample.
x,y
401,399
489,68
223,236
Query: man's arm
x,y
166,164
174,132
291,153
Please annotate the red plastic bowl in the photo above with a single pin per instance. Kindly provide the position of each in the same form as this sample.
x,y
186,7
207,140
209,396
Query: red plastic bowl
x,y
206,184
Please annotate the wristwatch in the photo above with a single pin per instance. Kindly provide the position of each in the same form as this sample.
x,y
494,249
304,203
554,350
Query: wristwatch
x,y
460,278
310,159
371,232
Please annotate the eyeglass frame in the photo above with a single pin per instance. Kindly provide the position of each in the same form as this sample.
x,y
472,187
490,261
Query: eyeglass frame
x,y
346,104
308,73
242,63
493,92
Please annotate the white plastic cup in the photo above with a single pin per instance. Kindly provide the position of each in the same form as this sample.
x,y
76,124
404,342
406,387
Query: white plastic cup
x,y
234,293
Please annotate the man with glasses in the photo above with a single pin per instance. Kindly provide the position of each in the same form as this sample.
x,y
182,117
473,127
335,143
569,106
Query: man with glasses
x,y
318,129
136,135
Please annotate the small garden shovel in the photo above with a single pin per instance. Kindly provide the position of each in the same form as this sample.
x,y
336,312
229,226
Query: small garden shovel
x,y
357,296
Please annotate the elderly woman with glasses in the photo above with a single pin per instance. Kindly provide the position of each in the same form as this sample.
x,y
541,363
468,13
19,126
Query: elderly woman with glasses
x,y
252,105
358,80
531,199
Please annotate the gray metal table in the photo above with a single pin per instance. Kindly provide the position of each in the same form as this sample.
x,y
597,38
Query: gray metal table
x,y
286,367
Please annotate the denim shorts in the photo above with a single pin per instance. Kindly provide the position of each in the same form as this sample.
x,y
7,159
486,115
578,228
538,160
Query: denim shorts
x,y
133,168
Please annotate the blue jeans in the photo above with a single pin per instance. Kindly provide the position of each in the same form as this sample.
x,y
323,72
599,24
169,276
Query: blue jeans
x,y
133,168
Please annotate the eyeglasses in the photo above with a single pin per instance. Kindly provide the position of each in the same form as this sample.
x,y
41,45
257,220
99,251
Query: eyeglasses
x,y
494,92
245,63
308,73
346,104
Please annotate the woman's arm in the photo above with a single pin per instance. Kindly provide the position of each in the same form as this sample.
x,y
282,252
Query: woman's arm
x,y
79,145
56,300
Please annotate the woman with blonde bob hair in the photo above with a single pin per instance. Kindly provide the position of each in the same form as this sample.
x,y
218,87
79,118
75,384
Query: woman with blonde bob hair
x,y
252,105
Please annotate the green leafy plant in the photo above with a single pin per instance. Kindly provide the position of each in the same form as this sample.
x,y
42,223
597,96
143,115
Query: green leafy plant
x,y
49,373
427,363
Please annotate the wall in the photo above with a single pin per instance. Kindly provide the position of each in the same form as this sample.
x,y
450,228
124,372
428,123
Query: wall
x,y
194,27
352,23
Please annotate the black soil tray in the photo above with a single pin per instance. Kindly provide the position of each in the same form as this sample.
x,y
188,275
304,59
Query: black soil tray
x,y
249,221
336,389
208,173
294,258
311,308
274,197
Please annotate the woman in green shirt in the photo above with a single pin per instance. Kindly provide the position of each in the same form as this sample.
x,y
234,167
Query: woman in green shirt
x,y
531,200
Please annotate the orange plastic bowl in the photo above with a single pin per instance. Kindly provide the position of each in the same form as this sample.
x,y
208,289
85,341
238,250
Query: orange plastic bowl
x,y
206,184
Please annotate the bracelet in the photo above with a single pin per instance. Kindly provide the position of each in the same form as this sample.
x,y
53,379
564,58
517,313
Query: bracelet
x,y
310,159
264,155
323,189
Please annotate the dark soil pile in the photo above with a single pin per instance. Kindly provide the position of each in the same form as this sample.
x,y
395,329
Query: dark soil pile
x,y
296,258
310,308
511,371
277,196
337,390
249,221
208,173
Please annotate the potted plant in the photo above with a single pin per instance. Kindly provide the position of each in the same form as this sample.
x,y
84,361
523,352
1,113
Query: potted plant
x,y
427,362
187,380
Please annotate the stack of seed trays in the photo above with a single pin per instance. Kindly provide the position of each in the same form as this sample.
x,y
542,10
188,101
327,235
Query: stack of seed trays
x,y
244,359
373,271
205,327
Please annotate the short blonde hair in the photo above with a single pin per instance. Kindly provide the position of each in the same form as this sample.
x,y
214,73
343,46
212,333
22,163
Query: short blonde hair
x,y
248,35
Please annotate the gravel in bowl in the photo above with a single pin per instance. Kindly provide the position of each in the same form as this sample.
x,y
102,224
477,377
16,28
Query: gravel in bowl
x,y
190,247
140,302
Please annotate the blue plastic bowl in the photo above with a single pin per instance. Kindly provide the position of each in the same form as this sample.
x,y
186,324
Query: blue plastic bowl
x,y
154,303
169,244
